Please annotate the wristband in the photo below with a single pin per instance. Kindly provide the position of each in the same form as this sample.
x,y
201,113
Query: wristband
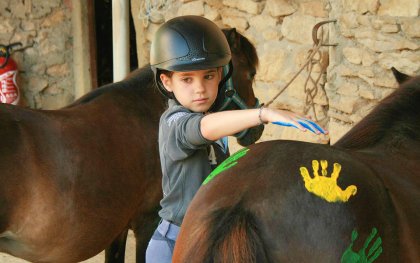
x,y
259,115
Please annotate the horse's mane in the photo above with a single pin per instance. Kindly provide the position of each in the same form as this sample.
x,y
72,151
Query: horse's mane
x,y
142,75
395,119
239,43
249,50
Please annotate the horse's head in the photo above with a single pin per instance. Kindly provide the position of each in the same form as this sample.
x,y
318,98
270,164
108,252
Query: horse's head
x,y
241,95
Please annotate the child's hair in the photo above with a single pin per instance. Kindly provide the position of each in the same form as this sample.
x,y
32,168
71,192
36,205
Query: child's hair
x,y
166,72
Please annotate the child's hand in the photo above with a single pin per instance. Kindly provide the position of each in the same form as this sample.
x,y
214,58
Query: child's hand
x,y
288,118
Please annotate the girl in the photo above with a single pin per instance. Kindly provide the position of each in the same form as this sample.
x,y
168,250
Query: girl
x,y
187,56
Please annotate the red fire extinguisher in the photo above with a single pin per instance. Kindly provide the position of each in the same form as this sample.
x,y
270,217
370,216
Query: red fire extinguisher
x,y
9,91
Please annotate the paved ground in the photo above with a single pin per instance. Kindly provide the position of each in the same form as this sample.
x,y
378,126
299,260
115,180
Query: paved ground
x,y
129,256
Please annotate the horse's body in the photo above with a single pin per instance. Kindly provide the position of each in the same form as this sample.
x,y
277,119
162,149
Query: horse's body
x,y
272,207
69,184
74,180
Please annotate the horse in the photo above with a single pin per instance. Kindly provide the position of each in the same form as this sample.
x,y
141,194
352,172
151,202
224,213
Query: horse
x,y
74,180
288,201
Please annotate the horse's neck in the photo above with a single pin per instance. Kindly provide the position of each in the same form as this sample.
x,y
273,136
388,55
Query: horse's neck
x,y
137,86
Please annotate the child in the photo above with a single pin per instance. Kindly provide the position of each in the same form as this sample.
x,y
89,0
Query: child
x,y
187,56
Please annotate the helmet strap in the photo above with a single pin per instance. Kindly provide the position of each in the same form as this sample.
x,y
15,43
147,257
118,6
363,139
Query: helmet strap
x,y
227,70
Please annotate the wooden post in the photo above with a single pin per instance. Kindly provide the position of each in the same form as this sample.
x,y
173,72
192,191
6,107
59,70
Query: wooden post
x,y
81,51
120,39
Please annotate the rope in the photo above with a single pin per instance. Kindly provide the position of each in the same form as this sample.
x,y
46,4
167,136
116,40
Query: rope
x,y
152,7
313,91
308,60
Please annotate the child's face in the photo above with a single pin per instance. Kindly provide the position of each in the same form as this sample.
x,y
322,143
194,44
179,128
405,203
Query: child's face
x,y
195,90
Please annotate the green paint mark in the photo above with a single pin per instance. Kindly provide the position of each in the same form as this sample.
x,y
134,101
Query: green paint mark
x,y
349,256
226,164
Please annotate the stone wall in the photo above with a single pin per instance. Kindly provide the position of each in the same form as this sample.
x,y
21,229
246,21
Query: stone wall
x,y
45,66
372,36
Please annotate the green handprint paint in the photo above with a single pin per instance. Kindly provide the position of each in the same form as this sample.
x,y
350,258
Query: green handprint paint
x,y
349,256
226,164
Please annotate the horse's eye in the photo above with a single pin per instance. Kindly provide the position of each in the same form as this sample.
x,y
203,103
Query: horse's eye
x,y
251,75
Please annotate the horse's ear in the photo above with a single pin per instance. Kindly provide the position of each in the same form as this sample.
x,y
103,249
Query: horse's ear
x,y
233,39
399,76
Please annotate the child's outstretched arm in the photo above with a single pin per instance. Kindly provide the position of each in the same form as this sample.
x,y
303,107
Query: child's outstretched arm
x,y
217,125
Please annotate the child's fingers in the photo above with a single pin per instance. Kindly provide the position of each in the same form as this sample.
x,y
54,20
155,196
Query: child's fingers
x,y
307,125
293,124
281,123
302,124
315,128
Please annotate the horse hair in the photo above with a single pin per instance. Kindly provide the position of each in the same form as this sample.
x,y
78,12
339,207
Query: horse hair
x,y
233,236
242,44
131,81
393,121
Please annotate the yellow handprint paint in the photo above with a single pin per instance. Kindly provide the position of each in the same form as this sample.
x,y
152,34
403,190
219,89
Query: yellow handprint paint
x,y
326,187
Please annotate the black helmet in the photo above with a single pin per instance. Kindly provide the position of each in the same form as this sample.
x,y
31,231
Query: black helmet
x,y
188,43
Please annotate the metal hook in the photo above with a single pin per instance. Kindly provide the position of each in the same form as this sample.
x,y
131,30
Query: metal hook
x,y
315,32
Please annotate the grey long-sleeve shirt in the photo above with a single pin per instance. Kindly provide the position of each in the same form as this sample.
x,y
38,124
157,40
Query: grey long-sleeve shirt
x,y
184,160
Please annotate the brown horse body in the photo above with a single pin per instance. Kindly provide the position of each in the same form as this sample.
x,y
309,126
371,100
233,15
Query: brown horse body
x,y
264,210
74,180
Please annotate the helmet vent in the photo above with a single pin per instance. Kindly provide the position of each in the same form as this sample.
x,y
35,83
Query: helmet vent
x,y
193,55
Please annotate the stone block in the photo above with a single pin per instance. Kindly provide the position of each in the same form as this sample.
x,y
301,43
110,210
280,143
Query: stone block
x,y
35,83
347,88
380,42
215,3
348,20
278,8
273,64
314,8
60,70
346,71
368,58
361,6
56,17
353,54
367,92
211,13
386,80
345,103
192,8
338,115
411,27
239,23
272,33
8,25
390,28
249,6
408,8
261,22
298,28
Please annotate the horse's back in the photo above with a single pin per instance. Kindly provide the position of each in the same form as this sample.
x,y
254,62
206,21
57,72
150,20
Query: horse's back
x,y
299,216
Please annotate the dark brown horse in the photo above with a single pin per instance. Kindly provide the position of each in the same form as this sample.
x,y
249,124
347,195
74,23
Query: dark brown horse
x,y
287,201
74,180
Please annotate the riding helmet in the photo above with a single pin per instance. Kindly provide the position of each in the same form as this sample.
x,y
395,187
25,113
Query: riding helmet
x,y
187,43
